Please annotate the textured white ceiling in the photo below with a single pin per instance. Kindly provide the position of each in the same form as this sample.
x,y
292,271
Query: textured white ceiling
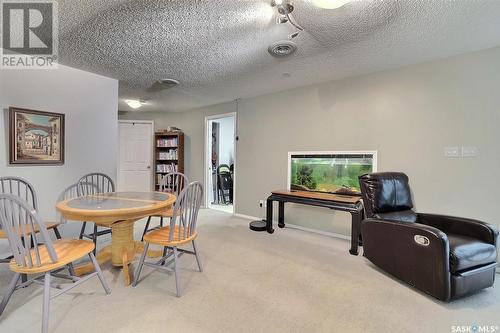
x,y
217,49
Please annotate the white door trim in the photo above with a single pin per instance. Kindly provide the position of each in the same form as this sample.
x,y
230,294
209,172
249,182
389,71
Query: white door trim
x,y
152,123
207,154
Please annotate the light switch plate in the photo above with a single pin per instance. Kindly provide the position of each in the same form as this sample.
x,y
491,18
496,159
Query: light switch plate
x,y
470,151
452,151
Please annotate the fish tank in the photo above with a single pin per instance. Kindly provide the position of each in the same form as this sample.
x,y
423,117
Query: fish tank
x,y
329,172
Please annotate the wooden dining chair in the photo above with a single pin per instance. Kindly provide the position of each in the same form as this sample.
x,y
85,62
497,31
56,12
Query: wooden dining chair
x,y
70,192
23,189
182,231
17,218
93,184
174,183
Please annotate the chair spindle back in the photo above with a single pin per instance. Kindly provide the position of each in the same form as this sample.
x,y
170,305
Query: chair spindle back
x,y
19,187
186,209
174,183
95,183
18,220
69,193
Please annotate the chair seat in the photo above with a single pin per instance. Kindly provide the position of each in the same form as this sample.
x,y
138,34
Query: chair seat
x,y
160,237
467,252
48,225
67,250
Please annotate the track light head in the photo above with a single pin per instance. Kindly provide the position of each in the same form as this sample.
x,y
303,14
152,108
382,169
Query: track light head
x,y
284,7
281,19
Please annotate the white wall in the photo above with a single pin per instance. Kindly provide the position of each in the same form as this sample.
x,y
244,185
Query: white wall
x,y
408,114
90,103
226,140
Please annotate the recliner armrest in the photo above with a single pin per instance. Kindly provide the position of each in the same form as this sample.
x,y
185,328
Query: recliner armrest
x,y
388,226
415,253
461,226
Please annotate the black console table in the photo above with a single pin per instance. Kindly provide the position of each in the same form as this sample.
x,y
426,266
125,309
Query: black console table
x,y
351,204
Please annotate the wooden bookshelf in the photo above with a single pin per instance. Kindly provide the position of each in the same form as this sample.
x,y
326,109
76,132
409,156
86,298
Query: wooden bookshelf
x,y
169,154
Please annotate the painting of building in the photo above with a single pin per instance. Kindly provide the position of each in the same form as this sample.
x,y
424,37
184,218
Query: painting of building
x,y
36,137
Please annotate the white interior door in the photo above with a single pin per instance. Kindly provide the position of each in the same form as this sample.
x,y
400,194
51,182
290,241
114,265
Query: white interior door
x,y
136,156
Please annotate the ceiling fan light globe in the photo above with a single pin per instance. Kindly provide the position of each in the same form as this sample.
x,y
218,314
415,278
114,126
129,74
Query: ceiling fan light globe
x,y
330,4
133,103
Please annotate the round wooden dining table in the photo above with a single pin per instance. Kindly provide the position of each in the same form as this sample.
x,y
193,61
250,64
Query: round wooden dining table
x,y
118,211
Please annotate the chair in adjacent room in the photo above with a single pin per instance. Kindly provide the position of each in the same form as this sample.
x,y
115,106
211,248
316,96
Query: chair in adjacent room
x,y
43,262
443,256
24,190
225,184
173,183
93,184
182,231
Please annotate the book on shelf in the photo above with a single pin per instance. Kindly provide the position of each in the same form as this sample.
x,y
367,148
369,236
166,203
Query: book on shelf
x,y
166,168
167,143
169,155
158,178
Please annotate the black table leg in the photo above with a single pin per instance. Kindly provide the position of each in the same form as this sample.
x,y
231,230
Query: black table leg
x,y
355,231
281,214
360,238
269,216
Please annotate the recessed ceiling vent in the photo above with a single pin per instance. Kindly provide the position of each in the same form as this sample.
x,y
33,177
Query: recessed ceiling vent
x,y
163,84
169,82
282,49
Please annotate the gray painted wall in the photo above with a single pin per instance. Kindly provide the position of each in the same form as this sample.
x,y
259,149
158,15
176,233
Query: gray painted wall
x,y
90,103
409,115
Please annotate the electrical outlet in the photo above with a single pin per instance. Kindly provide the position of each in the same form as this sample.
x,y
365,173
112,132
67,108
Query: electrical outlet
x,y
261,203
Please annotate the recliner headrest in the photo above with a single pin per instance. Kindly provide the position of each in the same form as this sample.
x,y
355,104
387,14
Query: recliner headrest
x,y
385,192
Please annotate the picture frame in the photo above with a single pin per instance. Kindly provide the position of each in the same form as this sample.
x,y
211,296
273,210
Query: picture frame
x,y
36,137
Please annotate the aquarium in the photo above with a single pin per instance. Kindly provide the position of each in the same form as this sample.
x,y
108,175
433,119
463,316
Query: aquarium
x,y
331,172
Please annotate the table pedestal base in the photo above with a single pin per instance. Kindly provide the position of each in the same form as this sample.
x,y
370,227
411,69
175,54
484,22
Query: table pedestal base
x,y
121,252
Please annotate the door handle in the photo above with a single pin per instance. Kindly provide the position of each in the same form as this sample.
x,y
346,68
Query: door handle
x,y
149,166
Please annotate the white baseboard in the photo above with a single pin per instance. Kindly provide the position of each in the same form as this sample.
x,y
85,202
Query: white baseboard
x,y
298,227
247,217
319,232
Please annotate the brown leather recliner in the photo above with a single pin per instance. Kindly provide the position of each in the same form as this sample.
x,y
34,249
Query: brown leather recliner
x,y
446,257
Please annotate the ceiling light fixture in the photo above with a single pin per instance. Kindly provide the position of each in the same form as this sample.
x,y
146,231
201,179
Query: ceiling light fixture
x,y
285,9
330,4
134,103
281,19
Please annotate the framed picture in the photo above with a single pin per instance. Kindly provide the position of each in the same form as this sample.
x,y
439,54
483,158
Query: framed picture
x,y
36,137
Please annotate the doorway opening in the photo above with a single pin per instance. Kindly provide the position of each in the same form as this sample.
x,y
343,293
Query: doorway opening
x,y
220,162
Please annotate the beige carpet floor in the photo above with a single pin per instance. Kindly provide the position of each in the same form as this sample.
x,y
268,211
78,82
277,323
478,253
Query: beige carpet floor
x,y
291,281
